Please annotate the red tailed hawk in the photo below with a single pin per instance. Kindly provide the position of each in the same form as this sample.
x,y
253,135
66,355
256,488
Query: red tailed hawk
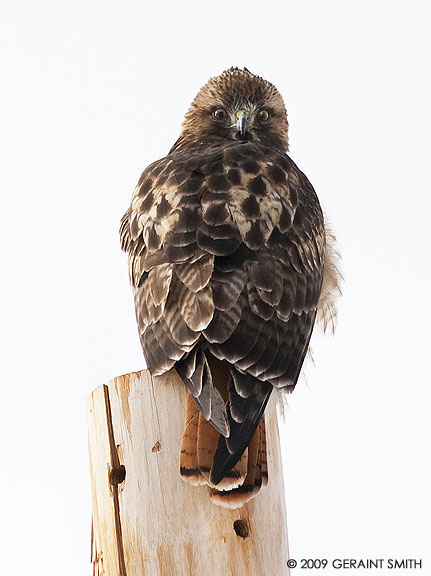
x,y
230,264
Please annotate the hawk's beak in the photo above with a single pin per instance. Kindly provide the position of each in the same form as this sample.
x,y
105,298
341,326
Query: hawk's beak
x,y
241,122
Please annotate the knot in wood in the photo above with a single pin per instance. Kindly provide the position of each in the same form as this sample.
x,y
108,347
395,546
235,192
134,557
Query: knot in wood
x,y
157,447
117,475
241,528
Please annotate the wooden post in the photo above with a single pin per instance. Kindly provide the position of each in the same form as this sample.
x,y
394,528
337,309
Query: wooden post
x,y
146,520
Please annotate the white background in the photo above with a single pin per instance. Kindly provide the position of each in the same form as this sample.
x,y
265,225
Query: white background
x,y
92,92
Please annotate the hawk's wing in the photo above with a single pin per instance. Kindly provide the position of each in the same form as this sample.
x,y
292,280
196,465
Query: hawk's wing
x,y
226,250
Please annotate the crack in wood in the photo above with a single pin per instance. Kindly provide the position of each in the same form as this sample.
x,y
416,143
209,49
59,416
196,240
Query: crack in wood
x,y
115,465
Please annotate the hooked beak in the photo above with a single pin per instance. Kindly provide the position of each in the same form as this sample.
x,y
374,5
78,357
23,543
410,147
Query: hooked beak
x,y
241,123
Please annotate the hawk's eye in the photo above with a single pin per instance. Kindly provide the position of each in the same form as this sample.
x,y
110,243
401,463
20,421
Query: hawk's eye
x,y
263,115
219,114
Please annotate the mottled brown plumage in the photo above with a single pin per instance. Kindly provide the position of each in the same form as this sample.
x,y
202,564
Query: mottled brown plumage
x,y
227,255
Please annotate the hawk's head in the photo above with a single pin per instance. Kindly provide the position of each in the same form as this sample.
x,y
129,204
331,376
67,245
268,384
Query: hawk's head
x,y
237,105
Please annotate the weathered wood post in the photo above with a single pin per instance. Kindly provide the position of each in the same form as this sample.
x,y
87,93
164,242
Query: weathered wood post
x,y
146,520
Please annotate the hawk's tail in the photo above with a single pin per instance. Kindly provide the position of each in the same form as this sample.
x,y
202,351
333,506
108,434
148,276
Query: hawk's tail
x,y
199,446
224,443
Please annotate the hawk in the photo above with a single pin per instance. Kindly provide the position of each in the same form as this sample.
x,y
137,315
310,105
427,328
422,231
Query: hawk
x,y
230,265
